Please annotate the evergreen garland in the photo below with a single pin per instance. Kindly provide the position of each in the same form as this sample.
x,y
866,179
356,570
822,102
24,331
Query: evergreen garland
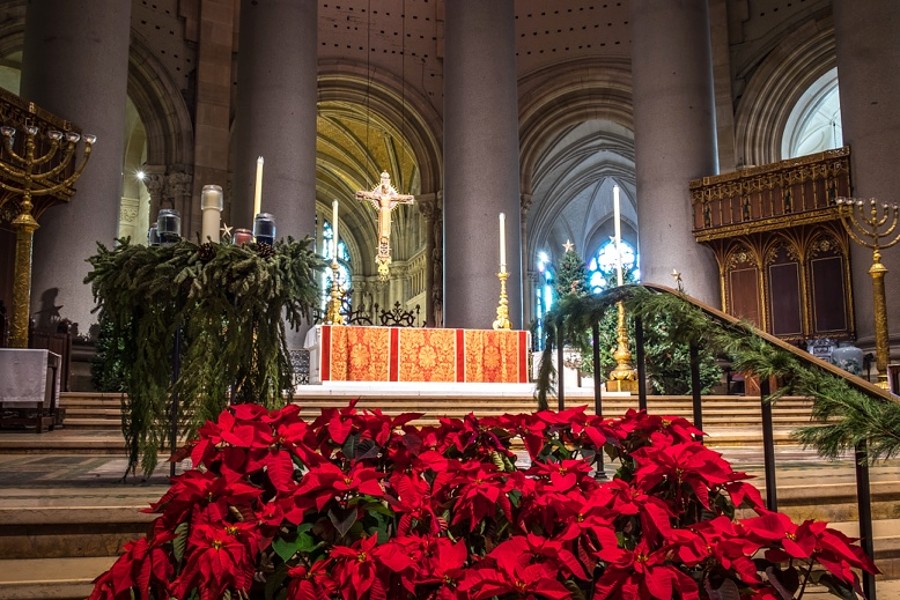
x,y
846,410
225,304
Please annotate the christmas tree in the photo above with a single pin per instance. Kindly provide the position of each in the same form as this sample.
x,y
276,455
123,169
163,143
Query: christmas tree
x,y
571,274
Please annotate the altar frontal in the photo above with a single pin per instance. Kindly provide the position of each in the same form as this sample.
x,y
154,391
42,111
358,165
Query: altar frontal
x,y
341,353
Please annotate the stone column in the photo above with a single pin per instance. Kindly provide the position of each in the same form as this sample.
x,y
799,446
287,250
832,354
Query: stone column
x,y
674,138
868,59
75,64
481,162
276,117
179,185
426,204
155,181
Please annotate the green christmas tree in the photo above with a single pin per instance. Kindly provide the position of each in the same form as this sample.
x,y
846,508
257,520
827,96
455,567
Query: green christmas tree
x,y
571,274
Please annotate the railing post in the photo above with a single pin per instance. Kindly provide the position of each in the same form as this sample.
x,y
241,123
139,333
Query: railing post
x,y
598,393
641,362
173,416
864,506
560,369
768,445
598,371
695,388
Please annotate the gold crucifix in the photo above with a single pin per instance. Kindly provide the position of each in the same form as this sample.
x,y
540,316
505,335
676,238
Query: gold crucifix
x,y
385,198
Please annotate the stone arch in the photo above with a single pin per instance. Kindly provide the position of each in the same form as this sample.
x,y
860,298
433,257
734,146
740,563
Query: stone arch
x,y
166,118
353,105
775,87
387,98
569,113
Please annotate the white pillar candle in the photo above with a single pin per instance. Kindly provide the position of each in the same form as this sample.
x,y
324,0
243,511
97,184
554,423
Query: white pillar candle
x,y
211,205
617,216
334,230
502,243
257,190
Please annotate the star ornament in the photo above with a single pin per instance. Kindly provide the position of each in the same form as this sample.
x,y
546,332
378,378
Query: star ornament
x,y
569,246
226,231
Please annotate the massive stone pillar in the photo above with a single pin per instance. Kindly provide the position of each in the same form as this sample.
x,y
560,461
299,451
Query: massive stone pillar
x,y
675,138
868,59
276,118
481,162
75,64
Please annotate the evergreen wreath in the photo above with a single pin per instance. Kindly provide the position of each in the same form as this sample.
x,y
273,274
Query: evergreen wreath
x,y
222,307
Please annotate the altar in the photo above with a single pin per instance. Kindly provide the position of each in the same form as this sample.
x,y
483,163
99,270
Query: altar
x,y
412,354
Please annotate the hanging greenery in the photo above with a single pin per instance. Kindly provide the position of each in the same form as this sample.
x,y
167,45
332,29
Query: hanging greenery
x,y
844,413
214,312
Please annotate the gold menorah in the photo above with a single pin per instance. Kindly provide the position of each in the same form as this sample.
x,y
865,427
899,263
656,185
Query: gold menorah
x,y
29,175
874,227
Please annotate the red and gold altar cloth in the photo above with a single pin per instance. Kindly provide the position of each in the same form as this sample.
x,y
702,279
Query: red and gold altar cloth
x,y
418,354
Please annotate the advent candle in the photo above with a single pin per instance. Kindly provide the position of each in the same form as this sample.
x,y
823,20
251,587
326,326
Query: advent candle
x,y
502,243
617,216
257,190
334,229
211,206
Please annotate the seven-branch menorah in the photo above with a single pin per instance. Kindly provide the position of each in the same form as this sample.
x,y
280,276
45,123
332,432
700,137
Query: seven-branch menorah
x,y
29,175
874,226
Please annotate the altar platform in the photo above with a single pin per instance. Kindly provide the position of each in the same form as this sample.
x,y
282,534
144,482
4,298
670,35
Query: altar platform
x,y
420,355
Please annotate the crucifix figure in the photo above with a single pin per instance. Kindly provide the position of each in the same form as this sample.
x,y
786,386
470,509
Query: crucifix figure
x,y
385,199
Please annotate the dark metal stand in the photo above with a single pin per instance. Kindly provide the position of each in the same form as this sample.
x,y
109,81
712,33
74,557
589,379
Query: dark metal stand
x,y
641,362
864,505
768,446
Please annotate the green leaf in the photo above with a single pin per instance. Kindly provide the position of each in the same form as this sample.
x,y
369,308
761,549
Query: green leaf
x,y
179,543
342,520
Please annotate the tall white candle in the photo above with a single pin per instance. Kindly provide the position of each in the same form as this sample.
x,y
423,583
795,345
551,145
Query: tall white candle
x,y
617,216
502,243
257,190
334,230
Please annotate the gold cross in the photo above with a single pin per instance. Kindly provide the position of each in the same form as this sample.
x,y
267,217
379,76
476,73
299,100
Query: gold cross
x,y
385,198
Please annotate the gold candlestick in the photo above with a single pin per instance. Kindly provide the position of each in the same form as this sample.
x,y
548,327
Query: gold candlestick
x,y
30,175
502,320
334,316
623,377
874,230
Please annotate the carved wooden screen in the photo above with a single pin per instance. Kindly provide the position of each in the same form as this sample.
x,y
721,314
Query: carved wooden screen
x,y
783,255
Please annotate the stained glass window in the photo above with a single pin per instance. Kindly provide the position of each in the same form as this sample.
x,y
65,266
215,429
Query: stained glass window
x,y
344,273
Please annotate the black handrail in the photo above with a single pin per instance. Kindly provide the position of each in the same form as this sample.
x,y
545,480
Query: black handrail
x,y
864,499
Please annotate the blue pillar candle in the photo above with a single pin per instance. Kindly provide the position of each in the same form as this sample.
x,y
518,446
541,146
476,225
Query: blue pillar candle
x,y
168,225
264,228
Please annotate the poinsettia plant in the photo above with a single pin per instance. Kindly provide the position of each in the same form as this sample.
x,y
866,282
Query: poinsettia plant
x,y
359,505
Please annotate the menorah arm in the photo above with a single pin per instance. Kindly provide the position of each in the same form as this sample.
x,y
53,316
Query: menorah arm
x,y
13,172
10,188
851,226
59,167
49,154
12,153
71,178
887,232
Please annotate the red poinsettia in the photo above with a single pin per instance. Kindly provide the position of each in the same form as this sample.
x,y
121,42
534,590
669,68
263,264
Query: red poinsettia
x,y
221,558
359,505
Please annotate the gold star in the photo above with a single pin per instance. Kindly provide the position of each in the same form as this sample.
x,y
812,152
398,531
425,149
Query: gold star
x,y
569,246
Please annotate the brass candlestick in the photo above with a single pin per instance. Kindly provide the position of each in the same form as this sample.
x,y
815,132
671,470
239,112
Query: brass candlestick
x,y
334,316
502,320
873,229
623,377
20,177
